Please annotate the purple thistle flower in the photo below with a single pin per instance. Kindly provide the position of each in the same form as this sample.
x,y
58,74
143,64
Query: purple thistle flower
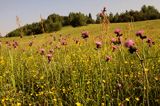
x,y
118,32
76,40
49,57
63,42
129,43
51,51
15,44
98,44
116,41
30,43
108,58
150,42
104,10
85,34
139,33
114,48
113,40
42,51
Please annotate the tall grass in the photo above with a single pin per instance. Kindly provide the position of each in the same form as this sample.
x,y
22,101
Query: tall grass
x,y
78,73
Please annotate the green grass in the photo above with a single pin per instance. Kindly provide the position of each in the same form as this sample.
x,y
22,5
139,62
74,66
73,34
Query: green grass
x,y
79,74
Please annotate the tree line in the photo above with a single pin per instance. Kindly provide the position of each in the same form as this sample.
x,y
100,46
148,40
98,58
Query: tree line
x,y
55,22
146,13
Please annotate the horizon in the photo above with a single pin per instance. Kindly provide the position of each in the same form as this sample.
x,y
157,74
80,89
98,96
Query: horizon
x,y
29,11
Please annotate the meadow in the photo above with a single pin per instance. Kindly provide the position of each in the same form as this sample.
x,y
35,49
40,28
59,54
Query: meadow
x,y
83,66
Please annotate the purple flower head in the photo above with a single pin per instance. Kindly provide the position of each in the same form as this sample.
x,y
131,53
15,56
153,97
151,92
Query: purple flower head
x,y
42,51
104,10
63,42
85,34
51,51
116,41
108,58
15,44
129,43
114,48
139,33
113,40
76,41
150,42
118,32
49,57
30,43
98,44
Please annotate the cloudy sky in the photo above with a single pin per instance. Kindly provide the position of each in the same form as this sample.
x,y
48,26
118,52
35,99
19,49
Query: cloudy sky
x,y
29,10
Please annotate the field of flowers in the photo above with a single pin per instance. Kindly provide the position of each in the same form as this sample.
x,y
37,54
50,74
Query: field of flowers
x,y
83,67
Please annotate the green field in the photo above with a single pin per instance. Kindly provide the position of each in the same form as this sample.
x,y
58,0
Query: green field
x,y
63,69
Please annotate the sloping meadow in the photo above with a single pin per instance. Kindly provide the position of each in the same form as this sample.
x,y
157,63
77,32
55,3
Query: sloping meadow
x,y
83,66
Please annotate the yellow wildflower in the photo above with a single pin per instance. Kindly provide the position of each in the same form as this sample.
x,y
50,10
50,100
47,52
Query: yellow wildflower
x,y
146,70
125,62
18,104
79,104
137,99
103,81
127,99
102,104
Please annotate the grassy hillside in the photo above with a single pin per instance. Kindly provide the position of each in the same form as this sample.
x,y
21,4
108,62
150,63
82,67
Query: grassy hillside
x,y
150,27
63,69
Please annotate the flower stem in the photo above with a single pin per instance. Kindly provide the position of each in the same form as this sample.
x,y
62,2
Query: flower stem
x,y
146,82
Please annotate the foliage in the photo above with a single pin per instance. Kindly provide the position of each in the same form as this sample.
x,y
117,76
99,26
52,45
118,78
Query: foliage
x,y
77,19
89,19
146,13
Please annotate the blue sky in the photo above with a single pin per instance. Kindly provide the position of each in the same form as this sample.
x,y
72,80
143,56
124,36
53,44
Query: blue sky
x,y
29,10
